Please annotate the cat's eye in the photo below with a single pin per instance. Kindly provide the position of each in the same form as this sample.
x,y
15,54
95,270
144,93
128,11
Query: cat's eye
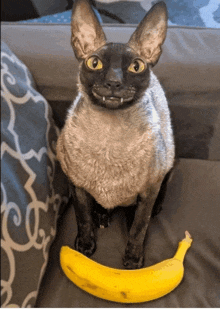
x,y
94,63
137,66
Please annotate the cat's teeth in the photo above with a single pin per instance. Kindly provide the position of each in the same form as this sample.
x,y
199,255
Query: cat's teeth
x,y
103,99
121,100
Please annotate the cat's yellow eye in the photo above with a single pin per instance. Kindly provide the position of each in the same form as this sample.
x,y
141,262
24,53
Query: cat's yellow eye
x,y
94,63
137,66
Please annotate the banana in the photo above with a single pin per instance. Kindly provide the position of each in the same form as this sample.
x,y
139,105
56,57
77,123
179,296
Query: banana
x,y
125,286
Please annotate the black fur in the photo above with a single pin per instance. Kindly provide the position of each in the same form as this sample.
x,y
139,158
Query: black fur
x,y
115,58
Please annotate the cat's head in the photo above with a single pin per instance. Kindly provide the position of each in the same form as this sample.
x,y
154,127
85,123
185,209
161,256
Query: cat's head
x,y
115,75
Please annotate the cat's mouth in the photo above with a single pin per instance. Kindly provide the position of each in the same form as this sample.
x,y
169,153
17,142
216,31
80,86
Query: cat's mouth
x,y
114,101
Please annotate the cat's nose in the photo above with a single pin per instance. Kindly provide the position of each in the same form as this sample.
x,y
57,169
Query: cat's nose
x,y
112,84
113,78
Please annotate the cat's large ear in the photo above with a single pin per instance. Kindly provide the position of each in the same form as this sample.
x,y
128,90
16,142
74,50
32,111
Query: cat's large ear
x,y
87,34
150,34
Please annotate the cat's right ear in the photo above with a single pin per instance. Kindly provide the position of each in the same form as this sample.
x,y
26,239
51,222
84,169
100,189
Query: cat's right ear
x,y
151,33
87,34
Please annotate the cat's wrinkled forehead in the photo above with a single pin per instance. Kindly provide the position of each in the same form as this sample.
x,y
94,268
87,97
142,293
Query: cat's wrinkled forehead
x,y
116,51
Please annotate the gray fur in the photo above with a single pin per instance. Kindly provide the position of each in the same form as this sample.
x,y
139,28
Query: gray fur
x,y
117,154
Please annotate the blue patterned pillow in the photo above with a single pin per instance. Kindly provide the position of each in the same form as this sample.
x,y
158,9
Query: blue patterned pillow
x,y
33,186
186,13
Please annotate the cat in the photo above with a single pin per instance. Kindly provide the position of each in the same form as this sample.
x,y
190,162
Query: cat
x,y
117,143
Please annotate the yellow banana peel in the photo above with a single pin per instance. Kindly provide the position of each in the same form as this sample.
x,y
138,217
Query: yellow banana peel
x,y
125,286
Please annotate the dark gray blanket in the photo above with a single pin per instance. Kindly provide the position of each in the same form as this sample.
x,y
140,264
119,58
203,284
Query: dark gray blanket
x,y
192,203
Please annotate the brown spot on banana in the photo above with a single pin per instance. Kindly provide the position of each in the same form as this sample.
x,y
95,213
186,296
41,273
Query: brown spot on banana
x,y
124,294
70,269
91,286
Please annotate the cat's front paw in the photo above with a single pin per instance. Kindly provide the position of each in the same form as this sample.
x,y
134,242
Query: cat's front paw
x,y
85,246
134,256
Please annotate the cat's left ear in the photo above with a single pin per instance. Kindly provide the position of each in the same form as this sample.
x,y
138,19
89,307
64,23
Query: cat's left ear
x,y
87,34
150,34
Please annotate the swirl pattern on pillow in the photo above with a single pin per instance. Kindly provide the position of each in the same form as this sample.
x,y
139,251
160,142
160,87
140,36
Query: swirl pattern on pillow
x,y
33,186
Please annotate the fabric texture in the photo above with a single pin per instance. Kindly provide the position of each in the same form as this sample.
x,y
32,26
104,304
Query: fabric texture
x,y
196,125
190,61
191,203
197,13
32,184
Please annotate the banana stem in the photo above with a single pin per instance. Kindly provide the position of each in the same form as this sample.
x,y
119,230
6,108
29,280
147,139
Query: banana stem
x,y
183,247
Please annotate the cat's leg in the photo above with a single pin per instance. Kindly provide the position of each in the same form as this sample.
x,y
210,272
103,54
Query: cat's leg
x,y
129,214
161,195
101,216
134,252
83,203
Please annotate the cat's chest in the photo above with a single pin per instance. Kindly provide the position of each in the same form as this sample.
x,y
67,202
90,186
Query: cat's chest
x,y
107,141
109,159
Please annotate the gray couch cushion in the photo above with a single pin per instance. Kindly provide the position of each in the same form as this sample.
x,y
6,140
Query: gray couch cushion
x,y
196,124
190,60
32,183
191,203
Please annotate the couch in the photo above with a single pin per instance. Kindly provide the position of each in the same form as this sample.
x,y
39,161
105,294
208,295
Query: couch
x,y
39,77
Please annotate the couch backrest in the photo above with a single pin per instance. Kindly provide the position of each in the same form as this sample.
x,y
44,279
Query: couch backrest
x,y
190,60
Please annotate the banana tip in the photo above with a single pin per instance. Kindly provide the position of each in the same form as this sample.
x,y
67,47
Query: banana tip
x,y
188,234
188,237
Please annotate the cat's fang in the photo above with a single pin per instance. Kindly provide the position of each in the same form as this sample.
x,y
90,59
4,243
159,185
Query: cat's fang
x,y
103,99
121,100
